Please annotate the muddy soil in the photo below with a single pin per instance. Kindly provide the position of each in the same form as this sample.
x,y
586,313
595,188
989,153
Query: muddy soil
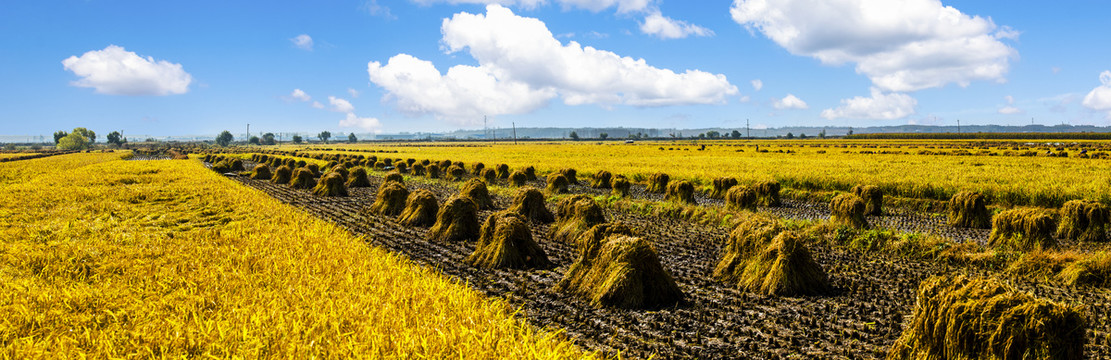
x,y
874,294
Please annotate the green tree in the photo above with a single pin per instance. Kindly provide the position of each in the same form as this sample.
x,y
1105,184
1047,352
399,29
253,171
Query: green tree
x,y
352,139
802,136
88,134
254,140
574,135
713,134
73,141
822,134
224,138
702,135
735,134
58,135
850,131
324,136
115,138
297,139
790,136
268,139
603,136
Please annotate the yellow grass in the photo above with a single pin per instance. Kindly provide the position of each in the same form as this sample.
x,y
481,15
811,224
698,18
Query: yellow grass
x,y
1006,180
113,259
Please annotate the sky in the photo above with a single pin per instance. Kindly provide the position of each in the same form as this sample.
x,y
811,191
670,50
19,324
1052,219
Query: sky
x,y
166,68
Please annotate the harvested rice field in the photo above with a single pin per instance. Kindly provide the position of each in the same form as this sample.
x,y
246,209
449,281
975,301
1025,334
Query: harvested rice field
x,y
419,262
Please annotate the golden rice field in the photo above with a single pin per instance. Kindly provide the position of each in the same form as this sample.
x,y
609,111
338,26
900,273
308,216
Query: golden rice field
x,y
803,165
103,258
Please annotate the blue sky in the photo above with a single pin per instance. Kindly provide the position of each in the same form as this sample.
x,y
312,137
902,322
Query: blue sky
x,y
199,67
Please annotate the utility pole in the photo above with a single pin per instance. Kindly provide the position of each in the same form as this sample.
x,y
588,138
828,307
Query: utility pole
x,y
248,134
748,131
958,126
514,133
485,129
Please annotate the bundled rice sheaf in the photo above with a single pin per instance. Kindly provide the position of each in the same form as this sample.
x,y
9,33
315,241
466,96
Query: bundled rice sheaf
x,y
302,179
301,163
506,243
657,183
601,180
873,198
722,186
358,178
445,164
380,165
848,209
784,268
557,183
332,184
314,169
680,191
418,170
489,175
401,167
503,171
394,176
958,317
517,178
530,173
340,169
433,171
456,173
590,241
751,235
221,166
282,175
741,197
261,172
476,190
1023,229
621,186
426,162
969,210
456,221
477,168
420,209
1084,220
625,273
570,174
459,164
236,165
574,215
390,200
529,202
767,193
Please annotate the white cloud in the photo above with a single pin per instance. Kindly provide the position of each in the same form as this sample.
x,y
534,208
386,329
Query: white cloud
x,y
745,99
116,71
879,106
757,84
354,93
1100,98
1010,109
522,66
623,6
901,46
340,105
524,4
317,104
303,42
668,28
366,124
789,102
299,94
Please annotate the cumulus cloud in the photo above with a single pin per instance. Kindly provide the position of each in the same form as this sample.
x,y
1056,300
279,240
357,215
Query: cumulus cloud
x,y
789,102
116,71
366,124
1100,98
1010,109
317,104
299,94
901,46
524,4
340,105
757,84
668,28
354,93
879,106
303,42
522,66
